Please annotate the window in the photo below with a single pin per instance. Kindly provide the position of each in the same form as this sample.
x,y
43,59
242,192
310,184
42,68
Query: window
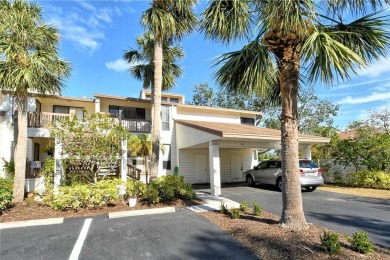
x,y
127,112
263,165
164,99
247,121
61,109
148,97
167,157
174,100
165,117
38,106
78,111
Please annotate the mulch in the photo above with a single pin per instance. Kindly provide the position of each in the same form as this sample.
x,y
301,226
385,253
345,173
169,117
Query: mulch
x,y
35,210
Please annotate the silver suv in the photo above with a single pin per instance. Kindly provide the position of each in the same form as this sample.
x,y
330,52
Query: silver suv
x,y
270,172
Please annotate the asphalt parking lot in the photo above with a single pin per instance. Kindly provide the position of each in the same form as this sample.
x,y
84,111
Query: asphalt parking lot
x,y
344,213
180,235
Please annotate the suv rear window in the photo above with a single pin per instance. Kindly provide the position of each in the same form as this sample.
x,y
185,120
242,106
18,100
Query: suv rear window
x,y
307,164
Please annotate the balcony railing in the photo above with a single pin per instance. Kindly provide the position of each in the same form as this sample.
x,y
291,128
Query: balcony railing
x,y
43,119
137,126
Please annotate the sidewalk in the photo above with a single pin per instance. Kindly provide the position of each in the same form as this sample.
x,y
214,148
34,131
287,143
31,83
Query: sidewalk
x,y
212,202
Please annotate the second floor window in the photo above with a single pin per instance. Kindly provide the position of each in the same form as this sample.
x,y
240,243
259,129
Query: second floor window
x,y
247,121
165,117
130,113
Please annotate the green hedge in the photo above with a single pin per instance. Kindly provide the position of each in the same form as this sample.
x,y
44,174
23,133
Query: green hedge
x,y
106,192
79,196
167,188
368,179
6,194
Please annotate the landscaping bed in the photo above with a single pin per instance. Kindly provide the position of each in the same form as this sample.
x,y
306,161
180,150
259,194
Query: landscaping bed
x,y
264,236
36,210
363,192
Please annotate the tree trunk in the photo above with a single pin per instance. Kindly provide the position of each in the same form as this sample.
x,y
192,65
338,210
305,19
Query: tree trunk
x,y
20,154
156,108
292,215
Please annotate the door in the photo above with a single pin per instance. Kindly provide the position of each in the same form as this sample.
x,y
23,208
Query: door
x,y
235,167
201,169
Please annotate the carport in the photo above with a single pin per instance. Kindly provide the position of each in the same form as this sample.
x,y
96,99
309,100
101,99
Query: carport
x,y
220,138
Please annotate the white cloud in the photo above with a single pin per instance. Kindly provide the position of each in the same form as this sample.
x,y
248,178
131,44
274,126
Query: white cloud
x,y
376,69
83,24
359,100
367,82
117,65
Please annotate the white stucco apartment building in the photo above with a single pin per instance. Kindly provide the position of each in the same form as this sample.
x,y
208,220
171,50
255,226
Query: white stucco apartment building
x,y
208,145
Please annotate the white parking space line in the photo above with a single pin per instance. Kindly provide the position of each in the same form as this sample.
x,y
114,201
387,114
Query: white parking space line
x,y
80,241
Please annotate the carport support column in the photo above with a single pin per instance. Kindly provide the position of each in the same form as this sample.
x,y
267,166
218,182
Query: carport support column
x,y
215,169
57,164
306,152
124,160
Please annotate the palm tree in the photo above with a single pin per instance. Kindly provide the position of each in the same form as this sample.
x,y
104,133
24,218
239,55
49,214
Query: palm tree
x,y
167,20
285,36
142,62
141,145
29,62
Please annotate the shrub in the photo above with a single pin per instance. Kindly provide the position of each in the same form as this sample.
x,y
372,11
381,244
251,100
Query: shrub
x,y
168,188
235,213
359,242
330,243
84,195
48,171
244,206
368,179
6,194
9,168
135,188
257,209
223,208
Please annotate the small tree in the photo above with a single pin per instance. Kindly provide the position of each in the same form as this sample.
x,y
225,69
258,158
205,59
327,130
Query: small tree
x,y
90,144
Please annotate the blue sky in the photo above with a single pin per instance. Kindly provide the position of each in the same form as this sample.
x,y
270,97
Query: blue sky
x,y
96,33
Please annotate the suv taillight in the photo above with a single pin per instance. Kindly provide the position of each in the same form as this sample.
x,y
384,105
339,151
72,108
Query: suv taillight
x,y
300,171
319,171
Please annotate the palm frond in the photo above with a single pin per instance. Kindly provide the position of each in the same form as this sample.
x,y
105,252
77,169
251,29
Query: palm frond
x,y
354,6
365,36
328,58
225,21
250,70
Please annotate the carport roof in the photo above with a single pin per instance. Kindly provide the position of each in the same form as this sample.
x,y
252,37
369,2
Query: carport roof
x,y
245,131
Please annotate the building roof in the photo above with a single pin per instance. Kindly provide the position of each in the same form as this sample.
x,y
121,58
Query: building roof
x,y
242,130
348,134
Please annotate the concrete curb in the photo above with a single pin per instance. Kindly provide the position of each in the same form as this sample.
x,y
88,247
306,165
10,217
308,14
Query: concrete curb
x,y
141,212
29,223
212,203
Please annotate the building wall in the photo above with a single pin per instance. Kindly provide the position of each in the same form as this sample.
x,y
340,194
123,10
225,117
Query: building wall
x,y
188,136
48,103
187,113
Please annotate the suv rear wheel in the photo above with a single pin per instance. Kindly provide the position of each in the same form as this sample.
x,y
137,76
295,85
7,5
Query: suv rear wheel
x,y
311,189
249,180
279,184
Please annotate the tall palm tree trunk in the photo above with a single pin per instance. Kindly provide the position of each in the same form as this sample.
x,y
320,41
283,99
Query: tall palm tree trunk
x,y
20,154
292,215
156,108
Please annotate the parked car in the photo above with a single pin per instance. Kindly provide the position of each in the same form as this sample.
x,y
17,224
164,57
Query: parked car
x,y
270,172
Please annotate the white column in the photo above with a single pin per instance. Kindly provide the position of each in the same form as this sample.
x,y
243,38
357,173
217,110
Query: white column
x,y
57,164
306,152
215,169
97,105
124,160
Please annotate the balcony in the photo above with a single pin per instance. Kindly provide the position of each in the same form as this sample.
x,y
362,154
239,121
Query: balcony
x,y
43,119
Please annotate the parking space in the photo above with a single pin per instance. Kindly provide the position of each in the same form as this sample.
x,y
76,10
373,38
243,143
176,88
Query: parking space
x,y
180,235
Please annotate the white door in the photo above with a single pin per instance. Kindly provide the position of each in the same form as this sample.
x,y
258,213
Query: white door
x,y
235,167
201,169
